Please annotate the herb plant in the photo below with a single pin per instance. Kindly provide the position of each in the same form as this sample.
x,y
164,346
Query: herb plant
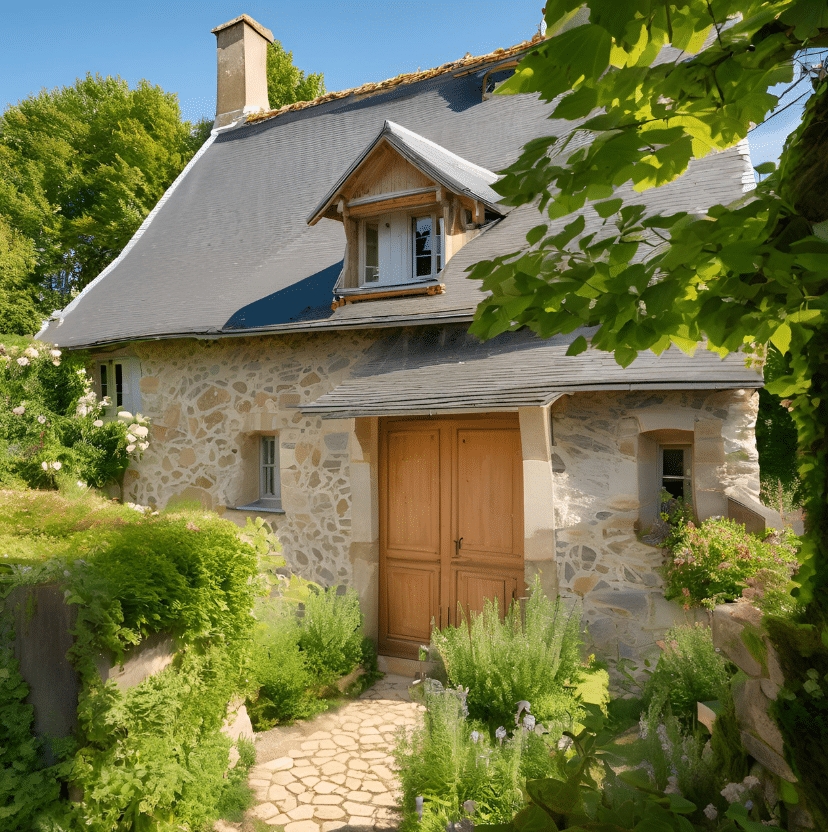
x,y
689,670
503,662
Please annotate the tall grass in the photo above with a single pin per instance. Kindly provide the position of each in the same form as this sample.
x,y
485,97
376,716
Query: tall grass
x,y
537,659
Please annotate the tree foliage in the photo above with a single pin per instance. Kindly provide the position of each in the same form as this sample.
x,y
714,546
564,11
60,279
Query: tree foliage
x,y
744,274
285,83
80,168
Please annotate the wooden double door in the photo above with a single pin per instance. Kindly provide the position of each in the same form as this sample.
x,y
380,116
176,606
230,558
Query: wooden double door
x,y
451,523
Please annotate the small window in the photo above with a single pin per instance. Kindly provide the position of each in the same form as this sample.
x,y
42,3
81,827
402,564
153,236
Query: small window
x,y
399,249
119,379
676,472
270,486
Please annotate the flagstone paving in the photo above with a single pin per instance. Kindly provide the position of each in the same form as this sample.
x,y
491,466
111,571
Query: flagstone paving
x,y
337,771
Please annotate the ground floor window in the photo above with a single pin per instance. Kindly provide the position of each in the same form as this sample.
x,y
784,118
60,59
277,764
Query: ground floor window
x,y
676,471
119,380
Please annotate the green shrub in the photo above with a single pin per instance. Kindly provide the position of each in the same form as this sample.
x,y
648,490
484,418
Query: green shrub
x,y
689,670
50,425
154,755
280,672
27,787
451,760
504,662
331,633
715,562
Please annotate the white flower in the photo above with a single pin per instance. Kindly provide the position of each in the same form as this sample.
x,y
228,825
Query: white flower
x,y
475,736
22,361
42,420
130,448
56,363
55,353
106,401
19,410
131,439
500,734
81,484
57,466
672,786
732,792
710,812
143,445
98,423
44,466
81,372
529,722
125,414
140,431
81,410
750,782
31,352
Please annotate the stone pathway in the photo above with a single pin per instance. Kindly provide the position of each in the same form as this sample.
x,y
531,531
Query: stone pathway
x,y
337,771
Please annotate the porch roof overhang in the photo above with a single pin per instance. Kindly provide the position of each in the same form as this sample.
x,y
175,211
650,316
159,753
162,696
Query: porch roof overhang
x,y
438,370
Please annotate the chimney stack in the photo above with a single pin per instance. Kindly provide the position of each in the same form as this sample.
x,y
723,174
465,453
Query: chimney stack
x,y
242,69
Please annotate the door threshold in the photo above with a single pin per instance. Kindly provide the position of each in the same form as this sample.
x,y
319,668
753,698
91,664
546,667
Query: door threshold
x,y
395,666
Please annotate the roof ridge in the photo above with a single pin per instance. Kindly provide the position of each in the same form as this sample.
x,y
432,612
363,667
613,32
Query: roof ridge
x,y
404,78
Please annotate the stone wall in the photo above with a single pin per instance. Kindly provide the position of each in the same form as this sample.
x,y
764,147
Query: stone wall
x,y
210,401
599,464
584,491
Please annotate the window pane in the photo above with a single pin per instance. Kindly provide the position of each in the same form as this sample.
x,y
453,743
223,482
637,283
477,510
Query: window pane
x,y
438,244
270,484
119,385
422,246
103,381
371,253
673,462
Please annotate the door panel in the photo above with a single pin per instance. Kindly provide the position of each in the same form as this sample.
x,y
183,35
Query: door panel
x,y
472,588
413,521
412,596
451,522
486,517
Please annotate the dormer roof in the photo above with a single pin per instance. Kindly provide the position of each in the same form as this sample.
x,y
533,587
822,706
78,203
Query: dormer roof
x,y
440,166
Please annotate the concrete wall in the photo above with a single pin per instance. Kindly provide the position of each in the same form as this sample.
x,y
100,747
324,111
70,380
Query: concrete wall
x,y
43,625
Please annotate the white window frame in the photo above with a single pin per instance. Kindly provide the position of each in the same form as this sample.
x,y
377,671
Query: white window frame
x,y
269,473
686,478
405,244
128,396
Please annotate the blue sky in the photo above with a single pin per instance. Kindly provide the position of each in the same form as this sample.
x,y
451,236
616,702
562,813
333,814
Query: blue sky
x,y
49,43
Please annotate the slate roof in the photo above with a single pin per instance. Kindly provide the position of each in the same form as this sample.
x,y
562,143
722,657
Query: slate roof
x,y
428,370
228,250
455,173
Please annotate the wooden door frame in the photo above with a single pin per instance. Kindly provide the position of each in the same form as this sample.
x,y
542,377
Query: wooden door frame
x,y
448,505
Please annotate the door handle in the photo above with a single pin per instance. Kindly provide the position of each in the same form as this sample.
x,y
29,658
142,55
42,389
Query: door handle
x,y
457,544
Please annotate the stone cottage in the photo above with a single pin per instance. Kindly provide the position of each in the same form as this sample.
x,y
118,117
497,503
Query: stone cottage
x,y
293,316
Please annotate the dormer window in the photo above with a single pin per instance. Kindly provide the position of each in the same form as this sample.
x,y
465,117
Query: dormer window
x,y
399,249
407,206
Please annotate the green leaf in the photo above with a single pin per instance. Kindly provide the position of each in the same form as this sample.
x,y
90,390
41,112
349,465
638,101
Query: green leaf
x,y
781,338
535,234
608,208
765,167
578,346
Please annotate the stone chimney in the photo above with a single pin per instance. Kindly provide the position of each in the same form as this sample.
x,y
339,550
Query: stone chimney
x,y
242,76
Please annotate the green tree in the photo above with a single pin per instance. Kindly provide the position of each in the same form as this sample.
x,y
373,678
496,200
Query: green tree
x,y
741,276
285,83
19,312
80,168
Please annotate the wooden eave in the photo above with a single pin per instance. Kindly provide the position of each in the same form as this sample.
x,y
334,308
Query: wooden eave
x,y
433,192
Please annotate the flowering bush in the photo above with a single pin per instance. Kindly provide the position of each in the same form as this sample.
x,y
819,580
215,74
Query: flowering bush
x,y
50,421
719,561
